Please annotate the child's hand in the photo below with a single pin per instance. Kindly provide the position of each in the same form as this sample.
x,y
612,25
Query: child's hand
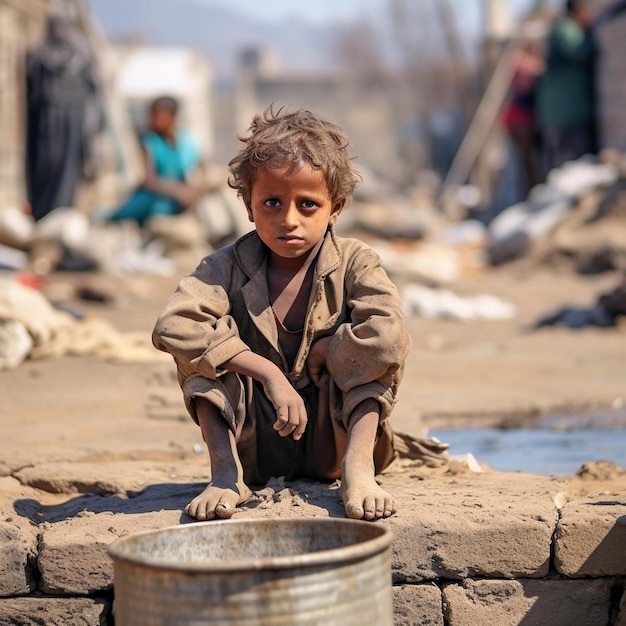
x,y
290,412
317,359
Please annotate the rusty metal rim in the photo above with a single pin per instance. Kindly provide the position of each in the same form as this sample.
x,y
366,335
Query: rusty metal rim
x,y
355,552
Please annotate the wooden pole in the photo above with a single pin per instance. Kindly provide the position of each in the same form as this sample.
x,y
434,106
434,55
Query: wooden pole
x,y
488,111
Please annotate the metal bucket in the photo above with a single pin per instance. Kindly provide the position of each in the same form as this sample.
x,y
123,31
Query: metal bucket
x,y
304,572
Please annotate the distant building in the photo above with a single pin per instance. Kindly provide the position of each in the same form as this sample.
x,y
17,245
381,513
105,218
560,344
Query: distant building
x,y
611,83
368,117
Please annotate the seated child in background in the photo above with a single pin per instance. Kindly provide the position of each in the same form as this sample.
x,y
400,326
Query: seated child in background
x,y
170,156
290,343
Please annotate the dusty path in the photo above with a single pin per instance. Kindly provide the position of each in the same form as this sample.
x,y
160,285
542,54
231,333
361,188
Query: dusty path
x,y
499,370
75,408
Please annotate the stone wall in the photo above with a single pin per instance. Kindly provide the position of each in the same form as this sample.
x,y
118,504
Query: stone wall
x,y
493,549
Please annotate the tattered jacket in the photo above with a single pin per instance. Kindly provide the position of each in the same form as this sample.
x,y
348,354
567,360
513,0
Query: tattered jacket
x,y
223,308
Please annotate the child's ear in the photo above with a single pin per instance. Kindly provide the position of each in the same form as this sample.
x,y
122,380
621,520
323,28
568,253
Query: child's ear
x,y
337,209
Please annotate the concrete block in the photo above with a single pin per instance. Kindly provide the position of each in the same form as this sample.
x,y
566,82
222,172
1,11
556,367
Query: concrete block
x,y
115,478
42,611
484,526
73,557
417,605
528,602
18,548
591,538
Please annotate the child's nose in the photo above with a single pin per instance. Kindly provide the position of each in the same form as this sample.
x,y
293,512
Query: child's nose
x,y
290,216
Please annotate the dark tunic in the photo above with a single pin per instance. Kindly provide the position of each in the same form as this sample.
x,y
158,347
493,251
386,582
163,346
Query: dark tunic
x,y
57,98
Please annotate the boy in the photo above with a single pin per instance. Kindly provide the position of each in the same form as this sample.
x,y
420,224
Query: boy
x,y
170,155
290,343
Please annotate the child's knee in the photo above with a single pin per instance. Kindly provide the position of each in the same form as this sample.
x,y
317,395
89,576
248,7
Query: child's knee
x,y
222,395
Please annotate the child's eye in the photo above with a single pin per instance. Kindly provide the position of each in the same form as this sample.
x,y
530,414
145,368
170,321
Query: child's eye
x,y
308,204
272,202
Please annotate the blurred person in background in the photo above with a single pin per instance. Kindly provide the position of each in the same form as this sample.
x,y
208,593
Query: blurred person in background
x,y
567,96
519,116
170,158
61,93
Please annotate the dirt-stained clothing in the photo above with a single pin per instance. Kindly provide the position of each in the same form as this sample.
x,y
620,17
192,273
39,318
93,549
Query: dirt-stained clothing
x,y
223,308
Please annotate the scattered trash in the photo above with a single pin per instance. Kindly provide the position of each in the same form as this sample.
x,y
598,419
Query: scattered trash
x,y
88,293
16,227
464,463
576,178
574,318
150,260
434,262
15,344
54,333
444,304
514,230
470,232
12,259
605,313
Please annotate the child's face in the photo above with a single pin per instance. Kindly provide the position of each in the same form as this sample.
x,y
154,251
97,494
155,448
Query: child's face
x,y
162,120
292,209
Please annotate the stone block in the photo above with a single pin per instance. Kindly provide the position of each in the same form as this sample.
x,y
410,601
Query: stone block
x,y
590,539
18,549
484,526
528,602
115,478
417,605
73,557
42,611
75,537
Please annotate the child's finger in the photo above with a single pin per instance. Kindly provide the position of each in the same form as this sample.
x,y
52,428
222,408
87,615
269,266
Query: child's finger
x,y
282,418
299,431
291,424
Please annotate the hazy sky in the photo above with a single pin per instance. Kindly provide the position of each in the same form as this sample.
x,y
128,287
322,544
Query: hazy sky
x,y
321,11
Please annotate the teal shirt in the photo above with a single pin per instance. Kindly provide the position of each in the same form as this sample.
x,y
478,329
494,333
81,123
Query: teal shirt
x,y
566,92
172,161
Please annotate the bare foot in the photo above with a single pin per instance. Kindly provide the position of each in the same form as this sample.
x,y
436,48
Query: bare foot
x,y
217,501
226,489
362,497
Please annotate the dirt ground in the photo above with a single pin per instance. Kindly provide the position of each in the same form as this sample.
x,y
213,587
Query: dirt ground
x,y
84,409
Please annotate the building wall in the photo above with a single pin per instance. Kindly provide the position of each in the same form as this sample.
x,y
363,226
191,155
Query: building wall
x,y
612,80
21,25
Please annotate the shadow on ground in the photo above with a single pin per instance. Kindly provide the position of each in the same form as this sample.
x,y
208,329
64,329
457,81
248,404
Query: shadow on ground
x,y
174,497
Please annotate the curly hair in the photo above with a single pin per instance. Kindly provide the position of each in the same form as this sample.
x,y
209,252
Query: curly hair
x,y
277,139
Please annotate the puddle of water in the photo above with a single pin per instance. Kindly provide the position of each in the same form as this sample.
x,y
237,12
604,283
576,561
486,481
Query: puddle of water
x,y
557,446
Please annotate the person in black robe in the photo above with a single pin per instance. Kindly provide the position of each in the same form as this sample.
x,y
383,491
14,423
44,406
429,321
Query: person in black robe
x,y
60,87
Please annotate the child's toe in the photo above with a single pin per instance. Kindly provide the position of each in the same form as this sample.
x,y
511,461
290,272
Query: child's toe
x,y
369,506
354,509
224,509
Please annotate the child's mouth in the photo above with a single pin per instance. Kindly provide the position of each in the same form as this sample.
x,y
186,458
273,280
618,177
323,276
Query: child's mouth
x,y
292,241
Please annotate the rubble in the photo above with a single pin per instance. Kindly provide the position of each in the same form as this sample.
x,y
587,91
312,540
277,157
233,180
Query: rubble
x,y
30,327
444,304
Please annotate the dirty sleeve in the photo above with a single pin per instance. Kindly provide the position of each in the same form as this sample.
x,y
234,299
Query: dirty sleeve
x,y
196,327
367,354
